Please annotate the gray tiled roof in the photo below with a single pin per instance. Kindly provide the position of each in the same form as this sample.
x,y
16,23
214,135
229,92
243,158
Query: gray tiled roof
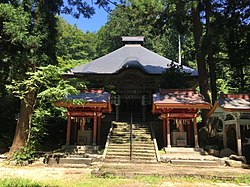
x,y
179,96
235,101
128,56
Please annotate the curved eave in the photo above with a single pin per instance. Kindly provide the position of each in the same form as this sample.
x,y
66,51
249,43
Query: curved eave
x,y
102,105
216,105
161,106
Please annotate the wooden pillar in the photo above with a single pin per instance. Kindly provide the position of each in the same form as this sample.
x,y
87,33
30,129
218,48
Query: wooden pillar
x,y
168,133
224,135
94,129
164,132
238,137
189,132
117,113
99,130
196,143
75,130
68,130
144,109
83,122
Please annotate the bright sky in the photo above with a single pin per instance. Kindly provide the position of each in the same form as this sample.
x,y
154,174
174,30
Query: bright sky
x,y
93,24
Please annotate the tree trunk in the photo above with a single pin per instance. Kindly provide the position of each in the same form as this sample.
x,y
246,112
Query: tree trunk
x,y
24,121
200,57
209,47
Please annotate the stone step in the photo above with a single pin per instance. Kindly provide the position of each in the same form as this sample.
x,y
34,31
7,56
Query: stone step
x,y
183,150
139,157
195,162
143,144
134,146
118,142
118,149
71,165
130,161
75,161
135,154
70,161
141,130
134,131
135,139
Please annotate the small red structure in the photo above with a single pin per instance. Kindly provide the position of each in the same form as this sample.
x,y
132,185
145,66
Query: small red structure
x,y
88,104
178,104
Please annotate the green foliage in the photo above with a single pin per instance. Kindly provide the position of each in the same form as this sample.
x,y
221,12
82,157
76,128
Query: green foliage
x,y
24,154
152,180
174,78
50,88
15,23
149,19
19,182
73,46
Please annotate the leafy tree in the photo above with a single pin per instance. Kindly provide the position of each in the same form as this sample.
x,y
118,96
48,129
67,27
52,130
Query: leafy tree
x,y
36,47
174,78
28,33
73,46
150,19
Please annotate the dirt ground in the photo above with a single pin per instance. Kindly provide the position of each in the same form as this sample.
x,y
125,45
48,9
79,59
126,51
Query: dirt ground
x,y
41,173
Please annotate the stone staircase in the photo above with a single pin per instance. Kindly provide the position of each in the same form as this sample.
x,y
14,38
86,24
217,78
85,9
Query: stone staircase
x,y
143,150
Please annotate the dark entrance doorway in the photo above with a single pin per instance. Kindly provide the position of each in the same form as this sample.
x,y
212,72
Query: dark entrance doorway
x,y
131,105
231,138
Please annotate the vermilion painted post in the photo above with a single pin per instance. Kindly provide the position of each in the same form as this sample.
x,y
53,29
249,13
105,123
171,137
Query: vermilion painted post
x,y
168,133
75,130
164,132
94,130
99,130
68,130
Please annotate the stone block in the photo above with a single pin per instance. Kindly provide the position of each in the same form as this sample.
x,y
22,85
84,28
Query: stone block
x,y
214,152
13,162
226,152
233,163
238,158
165,159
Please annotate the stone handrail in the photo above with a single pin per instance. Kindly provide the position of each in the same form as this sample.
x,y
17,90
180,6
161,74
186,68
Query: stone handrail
x,y
107,142
155,143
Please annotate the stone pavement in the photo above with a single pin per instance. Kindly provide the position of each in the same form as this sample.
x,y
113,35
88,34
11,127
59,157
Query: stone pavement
x,y
165,169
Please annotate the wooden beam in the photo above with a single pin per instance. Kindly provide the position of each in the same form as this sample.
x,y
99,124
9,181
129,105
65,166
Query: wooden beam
x,y
84,114
182,105
179,115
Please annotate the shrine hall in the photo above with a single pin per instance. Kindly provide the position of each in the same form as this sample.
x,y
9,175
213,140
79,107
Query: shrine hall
x,y
124,86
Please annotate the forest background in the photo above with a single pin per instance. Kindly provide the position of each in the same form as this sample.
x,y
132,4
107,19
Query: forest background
x,y
37,47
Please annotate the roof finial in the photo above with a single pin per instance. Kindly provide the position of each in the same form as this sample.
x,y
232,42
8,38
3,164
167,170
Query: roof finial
x,y
133,40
